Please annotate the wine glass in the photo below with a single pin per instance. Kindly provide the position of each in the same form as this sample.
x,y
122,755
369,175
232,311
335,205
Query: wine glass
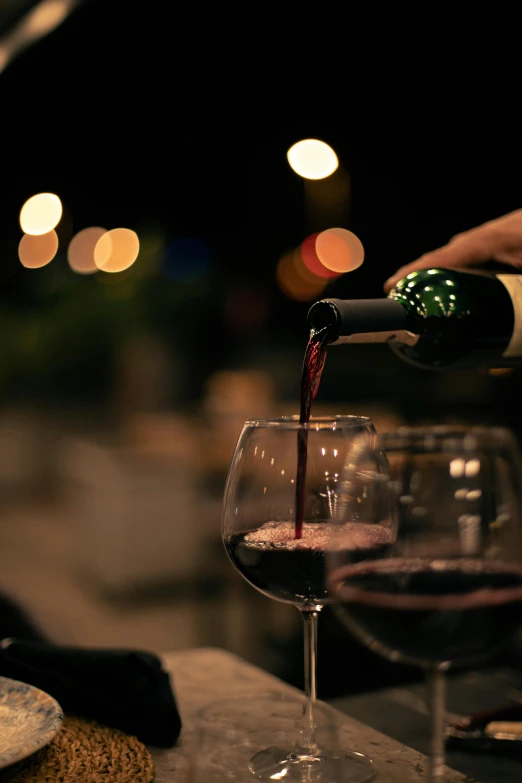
x,y
259,532
447,589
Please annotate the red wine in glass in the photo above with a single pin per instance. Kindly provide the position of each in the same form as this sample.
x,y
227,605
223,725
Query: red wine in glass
x,y
274,561
430,612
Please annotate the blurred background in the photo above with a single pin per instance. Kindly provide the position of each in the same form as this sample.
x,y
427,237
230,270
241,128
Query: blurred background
x,y
125,376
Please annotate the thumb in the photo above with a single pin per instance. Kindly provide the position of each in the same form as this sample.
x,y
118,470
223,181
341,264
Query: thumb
x,y
462,251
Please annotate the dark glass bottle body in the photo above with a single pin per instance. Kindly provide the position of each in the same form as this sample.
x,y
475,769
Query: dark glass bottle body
x,y
435,318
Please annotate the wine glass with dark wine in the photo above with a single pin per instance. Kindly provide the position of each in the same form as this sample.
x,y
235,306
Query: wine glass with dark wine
x,y
280,500
448,590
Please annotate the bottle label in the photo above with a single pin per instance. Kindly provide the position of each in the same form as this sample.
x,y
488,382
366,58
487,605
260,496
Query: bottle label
x,y
513,284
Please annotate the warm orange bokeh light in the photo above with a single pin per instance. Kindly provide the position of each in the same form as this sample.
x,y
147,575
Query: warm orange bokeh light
x,y
5,56
312,261
339,250
37,251
304,272
80,253
116,250
40,214
296,284
45,17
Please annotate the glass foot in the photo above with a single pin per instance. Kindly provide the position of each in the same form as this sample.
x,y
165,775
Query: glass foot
x,y
335,766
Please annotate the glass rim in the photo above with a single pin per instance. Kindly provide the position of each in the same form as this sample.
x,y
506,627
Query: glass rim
x,y
292,422
446,438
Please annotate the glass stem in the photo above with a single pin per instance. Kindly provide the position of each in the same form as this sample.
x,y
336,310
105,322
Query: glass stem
x,y
306,744
437,698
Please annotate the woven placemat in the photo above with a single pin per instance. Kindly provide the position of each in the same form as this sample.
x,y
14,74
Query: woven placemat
x,y
86,752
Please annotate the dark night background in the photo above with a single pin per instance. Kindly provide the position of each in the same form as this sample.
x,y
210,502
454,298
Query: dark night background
x,y
137,118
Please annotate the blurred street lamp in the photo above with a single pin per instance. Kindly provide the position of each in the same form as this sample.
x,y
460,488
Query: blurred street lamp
x,y
24,22
312,159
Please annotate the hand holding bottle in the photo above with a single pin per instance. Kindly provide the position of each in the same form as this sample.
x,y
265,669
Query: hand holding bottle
x,y
497,240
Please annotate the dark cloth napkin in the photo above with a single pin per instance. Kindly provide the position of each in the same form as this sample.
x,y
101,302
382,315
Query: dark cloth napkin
x,y
125,689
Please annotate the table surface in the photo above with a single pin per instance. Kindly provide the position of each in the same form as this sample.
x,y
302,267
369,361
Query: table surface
x,y
205,675
401,714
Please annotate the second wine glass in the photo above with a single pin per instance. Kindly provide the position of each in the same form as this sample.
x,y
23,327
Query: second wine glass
x,y
449,588
287,562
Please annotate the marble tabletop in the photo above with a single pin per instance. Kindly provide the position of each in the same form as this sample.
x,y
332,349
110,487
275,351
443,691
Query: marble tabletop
x,y
204,675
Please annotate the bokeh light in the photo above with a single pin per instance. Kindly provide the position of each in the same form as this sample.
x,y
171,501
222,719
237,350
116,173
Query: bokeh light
x,y
339,250
37,251
45,17
80,253
116,250
305,273
312,261
40,214
296,281
4,56
38,22
312,159
186,260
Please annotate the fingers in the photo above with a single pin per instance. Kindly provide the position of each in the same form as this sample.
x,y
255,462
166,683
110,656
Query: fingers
x,y
463,250
497,240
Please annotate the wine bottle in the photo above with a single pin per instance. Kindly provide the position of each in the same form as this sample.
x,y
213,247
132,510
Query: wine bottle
x,y
434,318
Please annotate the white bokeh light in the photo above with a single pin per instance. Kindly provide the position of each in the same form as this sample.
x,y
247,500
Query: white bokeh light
x,y
312,159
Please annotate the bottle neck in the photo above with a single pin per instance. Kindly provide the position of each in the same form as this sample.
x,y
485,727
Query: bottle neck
x,y
361,321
